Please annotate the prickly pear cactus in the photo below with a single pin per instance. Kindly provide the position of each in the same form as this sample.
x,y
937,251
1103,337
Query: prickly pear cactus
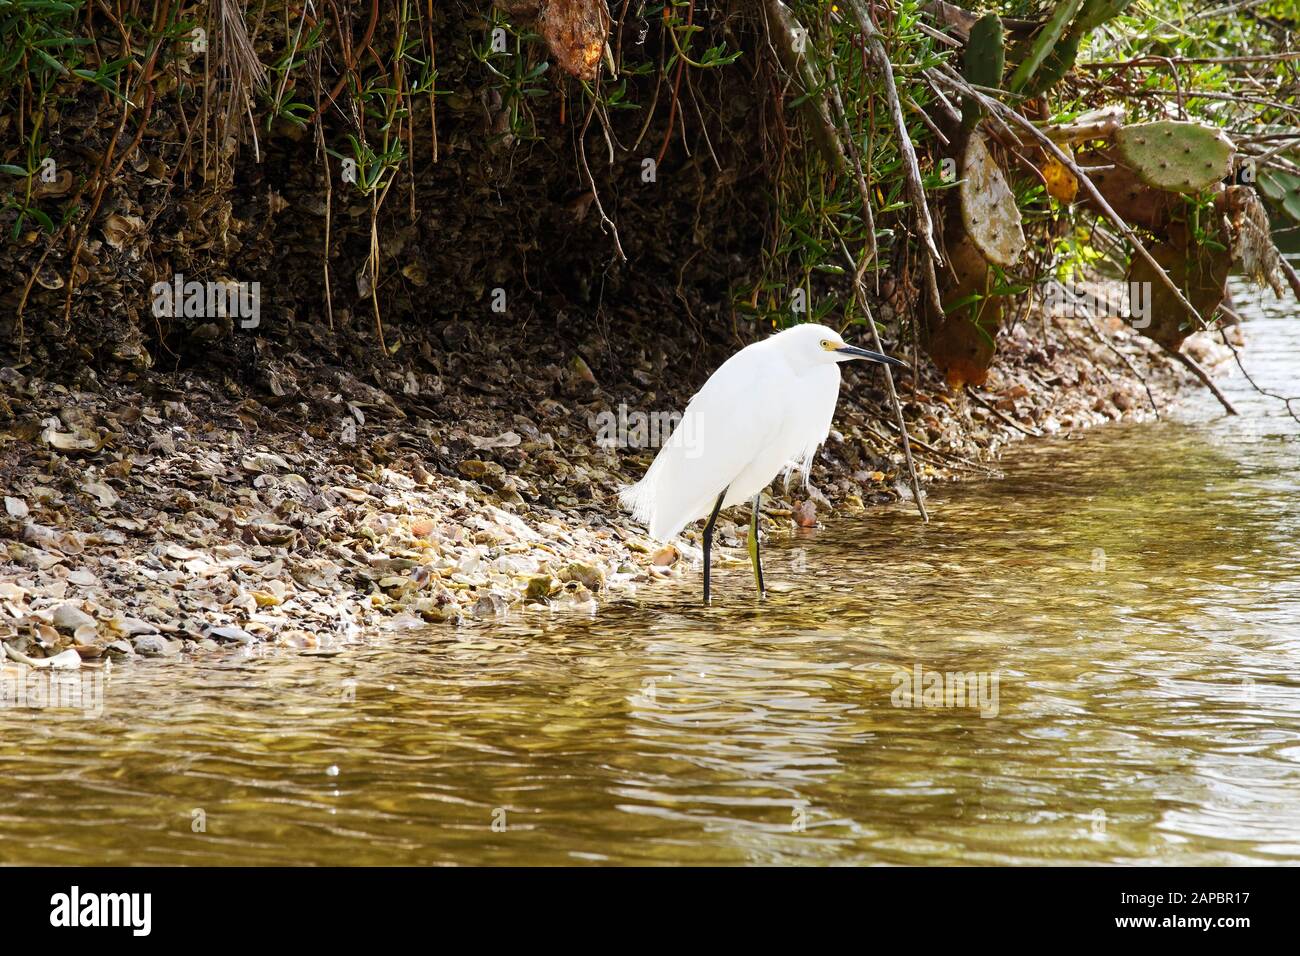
x,y
1095,124
1283,188
1043,42
1137,203
1055,67
1175,156
988,207
982,62
961,340
1097,12
1200,272
1053,52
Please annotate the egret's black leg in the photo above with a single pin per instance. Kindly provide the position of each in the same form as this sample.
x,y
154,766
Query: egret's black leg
x,y
754,557
708,540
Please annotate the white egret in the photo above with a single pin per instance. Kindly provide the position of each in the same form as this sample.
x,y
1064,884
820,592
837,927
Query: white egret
x,y
766,409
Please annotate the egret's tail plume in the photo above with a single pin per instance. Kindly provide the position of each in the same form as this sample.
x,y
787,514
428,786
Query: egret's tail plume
x,y
639,499
673,492
663,519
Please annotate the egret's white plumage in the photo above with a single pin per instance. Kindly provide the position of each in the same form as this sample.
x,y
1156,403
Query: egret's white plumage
x,y
765,410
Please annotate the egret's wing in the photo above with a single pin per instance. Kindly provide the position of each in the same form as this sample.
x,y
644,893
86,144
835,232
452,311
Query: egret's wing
x,y
811,419
728,422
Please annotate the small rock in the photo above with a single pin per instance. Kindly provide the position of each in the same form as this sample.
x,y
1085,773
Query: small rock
x,y
489,605
665,556
539,587
151,645
264,462
102,493
591,577
69,660
69,617
457,335
578,598
805,514
228,633
582,370
495,477
489,472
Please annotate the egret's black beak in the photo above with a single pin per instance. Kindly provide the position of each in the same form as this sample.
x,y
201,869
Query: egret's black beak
x,y
871,356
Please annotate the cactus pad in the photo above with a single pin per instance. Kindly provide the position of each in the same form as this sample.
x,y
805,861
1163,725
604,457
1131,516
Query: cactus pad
x,y
1097,12
961,341
983,58
1136,203
988,207
1043,42
1063,51
982,62
1177,157
1283,188
1200,272
1055,67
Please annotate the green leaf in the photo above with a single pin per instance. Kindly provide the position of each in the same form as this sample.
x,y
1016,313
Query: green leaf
x,y
46,222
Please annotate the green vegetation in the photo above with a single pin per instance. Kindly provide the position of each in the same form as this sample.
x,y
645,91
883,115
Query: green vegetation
x,y
370,90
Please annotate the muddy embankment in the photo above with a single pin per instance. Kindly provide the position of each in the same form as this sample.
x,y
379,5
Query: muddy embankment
x,y
179,511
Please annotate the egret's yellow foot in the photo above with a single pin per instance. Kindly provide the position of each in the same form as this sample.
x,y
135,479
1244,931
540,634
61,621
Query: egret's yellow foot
x,y
754,557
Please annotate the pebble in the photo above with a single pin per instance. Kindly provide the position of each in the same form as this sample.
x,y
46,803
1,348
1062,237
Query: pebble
x,y
69,617
590,576
229,633
68,660
152,645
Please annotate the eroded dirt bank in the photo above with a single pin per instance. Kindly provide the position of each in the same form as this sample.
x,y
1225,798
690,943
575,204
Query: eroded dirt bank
x,y
163,514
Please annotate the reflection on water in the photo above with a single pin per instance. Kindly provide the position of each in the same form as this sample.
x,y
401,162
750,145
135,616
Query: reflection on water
x,y
1124,606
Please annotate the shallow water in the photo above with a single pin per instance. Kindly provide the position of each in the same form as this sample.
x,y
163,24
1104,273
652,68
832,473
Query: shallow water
x,y
1134,593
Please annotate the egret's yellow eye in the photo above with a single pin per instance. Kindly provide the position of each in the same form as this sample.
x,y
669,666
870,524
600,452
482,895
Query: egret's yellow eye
x,y
827,344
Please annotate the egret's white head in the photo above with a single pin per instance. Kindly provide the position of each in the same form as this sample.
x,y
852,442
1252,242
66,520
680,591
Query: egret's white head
x,y
811,344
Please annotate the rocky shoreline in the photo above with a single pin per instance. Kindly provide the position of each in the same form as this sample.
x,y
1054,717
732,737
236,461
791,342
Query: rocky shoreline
x,y
174,513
